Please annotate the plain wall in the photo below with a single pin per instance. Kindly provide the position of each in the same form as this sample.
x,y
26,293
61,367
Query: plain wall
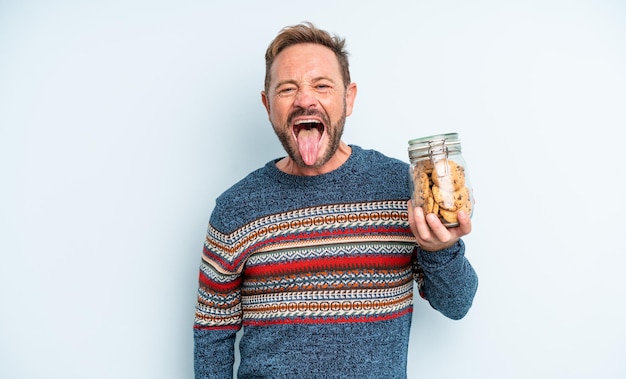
x,y
121,121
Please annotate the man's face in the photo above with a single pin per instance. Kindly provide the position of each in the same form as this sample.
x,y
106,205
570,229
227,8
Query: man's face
x,y
307,103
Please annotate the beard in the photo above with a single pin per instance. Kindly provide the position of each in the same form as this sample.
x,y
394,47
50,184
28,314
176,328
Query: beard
x,y
333,132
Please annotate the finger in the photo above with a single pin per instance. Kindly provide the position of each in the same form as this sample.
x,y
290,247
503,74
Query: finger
x,y
412,217
440,231
446,235
465,222
421,225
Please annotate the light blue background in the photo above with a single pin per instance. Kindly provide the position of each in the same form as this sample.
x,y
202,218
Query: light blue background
x,y
121,121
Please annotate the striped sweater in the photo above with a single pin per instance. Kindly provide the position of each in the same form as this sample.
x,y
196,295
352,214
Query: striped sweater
x,y
319,272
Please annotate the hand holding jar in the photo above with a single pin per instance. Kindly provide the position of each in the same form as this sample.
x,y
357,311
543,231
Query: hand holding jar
x,y
440,183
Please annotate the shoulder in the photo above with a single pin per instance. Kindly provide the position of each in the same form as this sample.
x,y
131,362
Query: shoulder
x,y
251,182
380,175
375,157
237,204
377,163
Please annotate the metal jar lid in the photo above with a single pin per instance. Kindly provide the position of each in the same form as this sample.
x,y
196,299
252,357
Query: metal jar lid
x,y
435,144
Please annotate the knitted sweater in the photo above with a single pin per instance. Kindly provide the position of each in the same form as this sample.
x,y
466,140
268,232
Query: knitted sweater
x,y
319,272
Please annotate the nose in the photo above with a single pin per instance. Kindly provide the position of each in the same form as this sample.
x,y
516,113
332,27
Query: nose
x,y
305,98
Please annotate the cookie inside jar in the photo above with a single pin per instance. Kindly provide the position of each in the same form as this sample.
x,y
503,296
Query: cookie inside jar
x,y
439,178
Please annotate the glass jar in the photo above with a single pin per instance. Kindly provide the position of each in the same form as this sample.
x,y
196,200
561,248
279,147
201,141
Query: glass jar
x,y
439,177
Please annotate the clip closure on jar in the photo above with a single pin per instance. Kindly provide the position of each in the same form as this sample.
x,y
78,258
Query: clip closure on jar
x,y
439,180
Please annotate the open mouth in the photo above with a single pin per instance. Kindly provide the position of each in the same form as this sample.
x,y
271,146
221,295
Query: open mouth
x,y
308,133
300,125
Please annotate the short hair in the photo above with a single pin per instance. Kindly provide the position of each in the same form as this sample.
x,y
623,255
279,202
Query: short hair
x,y
306,32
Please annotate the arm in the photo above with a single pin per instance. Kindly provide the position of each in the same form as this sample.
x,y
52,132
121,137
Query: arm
x,y
217,320
447,280
213,353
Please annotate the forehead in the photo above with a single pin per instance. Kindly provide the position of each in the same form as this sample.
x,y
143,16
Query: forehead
x,y
305,60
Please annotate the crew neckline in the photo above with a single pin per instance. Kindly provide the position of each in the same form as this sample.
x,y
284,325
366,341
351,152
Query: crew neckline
x,y
282,176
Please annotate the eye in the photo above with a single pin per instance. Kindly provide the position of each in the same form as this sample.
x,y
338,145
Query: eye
x,y
285,91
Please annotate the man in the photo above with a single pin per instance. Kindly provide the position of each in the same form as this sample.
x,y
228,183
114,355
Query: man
x,y
315,253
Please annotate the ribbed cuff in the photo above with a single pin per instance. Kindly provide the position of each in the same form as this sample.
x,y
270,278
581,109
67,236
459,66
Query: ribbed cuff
x,y
435,259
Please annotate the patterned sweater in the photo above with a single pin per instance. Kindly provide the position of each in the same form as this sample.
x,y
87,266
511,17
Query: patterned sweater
x,y
319,272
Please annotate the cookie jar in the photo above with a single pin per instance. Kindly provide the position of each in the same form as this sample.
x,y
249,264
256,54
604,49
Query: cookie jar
x,y
439,178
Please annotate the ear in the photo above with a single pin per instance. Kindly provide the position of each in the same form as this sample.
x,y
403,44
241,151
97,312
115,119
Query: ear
x,y
265,101
350,96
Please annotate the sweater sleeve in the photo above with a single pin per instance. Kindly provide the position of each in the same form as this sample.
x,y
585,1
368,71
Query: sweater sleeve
x,y
447,280
218,314
213,354
217,320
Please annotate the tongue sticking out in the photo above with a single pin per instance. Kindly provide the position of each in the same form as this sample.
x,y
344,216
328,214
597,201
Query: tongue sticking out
x,y
308,143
